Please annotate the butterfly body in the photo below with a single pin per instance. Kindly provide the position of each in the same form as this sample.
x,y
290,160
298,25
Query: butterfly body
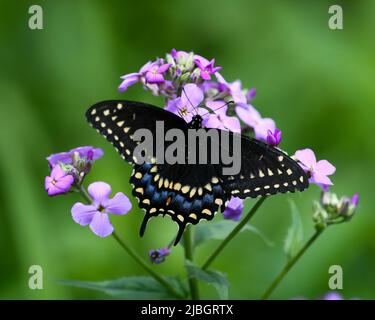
x,y
184,191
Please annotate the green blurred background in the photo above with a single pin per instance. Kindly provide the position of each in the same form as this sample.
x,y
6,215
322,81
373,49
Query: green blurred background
x,y
318,84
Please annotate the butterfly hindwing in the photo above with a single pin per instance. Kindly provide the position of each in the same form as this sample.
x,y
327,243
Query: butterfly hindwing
x,y
187,193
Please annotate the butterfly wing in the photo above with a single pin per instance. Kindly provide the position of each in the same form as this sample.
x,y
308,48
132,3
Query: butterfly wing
x,y
117,120
187,193
265,170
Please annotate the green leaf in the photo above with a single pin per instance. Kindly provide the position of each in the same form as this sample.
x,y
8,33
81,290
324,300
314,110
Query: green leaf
x,y
216,278
294,237
221,229
142,288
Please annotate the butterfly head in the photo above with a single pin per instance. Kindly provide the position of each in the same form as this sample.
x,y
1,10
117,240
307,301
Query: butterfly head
x,y
196,122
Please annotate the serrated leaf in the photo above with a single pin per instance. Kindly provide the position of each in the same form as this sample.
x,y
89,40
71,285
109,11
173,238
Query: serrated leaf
x,y
216,278
142,288
221,229
294,238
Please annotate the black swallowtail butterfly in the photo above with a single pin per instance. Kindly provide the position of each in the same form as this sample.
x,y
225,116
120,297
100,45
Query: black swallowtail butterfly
x,y
191,192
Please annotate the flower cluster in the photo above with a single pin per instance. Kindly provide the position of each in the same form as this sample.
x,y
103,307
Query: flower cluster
x,y
192,84
189,81
333,210
68,170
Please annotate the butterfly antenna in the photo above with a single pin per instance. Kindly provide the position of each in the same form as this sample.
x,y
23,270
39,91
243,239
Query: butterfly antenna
x,y
195,109
224,105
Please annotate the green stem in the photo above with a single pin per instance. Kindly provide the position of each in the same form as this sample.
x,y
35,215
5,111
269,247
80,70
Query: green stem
x,y
144,265
85,194
234,232
188,246
290,264
134,255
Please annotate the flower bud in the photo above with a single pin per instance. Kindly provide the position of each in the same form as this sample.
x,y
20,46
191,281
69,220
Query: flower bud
x,y
158,255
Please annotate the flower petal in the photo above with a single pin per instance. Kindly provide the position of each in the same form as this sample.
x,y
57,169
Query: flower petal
x,y
232,123
248,114
101,225
163,68
306,156
236,92
262,127
88,152
119,204
152,77
64,183
64,157
57,172
83,214
218,106
319,178
212,121
233,209
147,67
205,75
52,190
325,167
128,80
191,95
174,105
99,192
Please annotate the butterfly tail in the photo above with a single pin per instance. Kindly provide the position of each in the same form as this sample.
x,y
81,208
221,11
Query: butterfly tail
x,y
181,228
144,225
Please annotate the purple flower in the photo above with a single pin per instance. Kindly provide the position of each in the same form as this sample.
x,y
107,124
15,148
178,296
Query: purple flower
x,y
250,94
180,57
233,209
234,89
88,152
132,78
319,171
248,114
219,118
155,73
333,296
206,67
355,199
158,255
58,182
274,138
96,214
128,80
186,106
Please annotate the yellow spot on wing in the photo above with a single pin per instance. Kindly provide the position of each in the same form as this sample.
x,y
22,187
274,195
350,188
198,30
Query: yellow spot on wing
x,y
219,202
207,211
192,192
138,175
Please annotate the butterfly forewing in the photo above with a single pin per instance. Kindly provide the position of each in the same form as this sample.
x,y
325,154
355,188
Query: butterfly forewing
x,y
265,170
117,120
